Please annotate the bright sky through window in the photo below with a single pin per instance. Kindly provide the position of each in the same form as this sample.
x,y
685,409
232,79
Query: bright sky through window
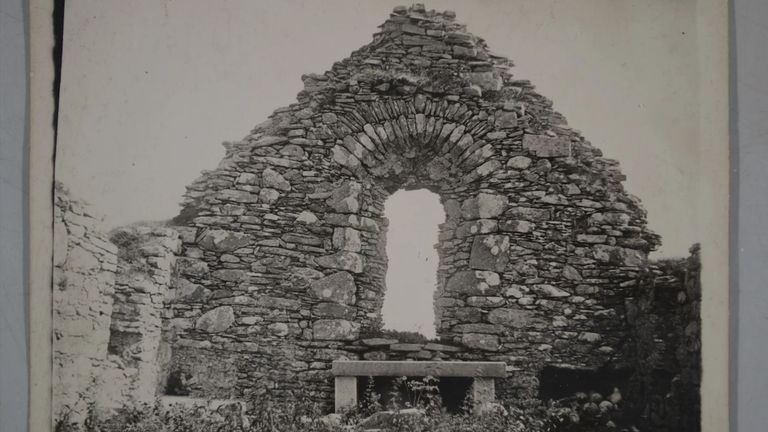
x,y
414,217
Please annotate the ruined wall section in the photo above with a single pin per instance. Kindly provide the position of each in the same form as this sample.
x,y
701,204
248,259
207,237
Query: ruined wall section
x,y
83,283
112,323
139,342
540,245
664,315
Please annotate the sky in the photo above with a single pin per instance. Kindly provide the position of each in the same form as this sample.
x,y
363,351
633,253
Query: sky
x,y
412,260
150,89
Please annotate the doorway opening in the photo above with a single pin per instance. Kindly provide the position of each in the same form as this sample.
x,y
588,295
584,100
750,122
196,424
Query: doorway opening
x,y
414,219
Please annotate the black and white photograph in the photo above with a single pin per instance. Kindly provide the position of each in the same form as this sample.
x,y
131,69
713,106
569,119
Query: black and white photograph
x,y
373,216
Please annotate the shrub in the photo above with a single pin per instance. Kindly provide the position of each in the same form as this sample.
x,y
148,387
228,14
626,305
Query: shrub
x,y
127,243
293,416
297,413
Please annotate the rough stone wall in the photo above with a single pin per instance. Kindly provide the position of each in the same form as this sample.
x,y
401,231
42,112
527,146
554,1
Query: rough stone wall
x,y
84,275
138,348
112,321
283,258
276,265
665,321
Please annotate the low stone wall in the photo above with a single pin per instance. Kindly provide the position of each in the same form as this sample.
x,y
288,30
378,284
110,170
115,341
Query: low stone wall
x,y
83,285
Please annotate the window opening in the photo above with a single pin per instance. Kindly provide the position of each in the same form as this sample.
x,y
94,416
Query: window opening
x,y
414,217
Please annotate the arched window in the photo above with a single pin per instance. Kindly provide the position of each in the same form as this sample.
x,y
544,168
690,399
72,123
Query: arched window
x,y
411,278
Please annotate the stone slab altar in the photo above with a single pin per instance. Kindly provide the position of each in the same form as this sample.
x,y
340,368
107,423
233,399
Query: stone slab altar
x,y
346,373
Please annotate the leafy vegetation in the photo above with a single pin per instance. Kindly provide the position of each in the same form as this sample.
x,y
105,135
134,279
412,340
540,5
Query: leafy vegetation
x,y
413,406
127,243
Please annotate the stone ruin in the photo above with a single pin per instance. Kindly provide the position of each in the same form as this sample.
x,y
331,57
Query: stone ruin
x,y
275,267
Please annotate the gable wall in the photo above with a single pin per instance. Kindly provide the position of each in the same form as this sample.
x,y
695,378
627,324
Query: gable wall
x,y
286,236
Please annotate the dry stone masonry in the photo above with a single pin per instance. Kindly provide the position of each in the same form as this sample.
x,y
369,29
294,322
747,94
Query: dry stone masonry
x,y
286,237
83,286
111,320
138,352
275,267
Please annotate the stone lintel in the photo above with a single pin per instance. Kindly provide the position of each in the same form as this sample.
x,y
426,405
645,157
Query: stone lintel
x,y
468,369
